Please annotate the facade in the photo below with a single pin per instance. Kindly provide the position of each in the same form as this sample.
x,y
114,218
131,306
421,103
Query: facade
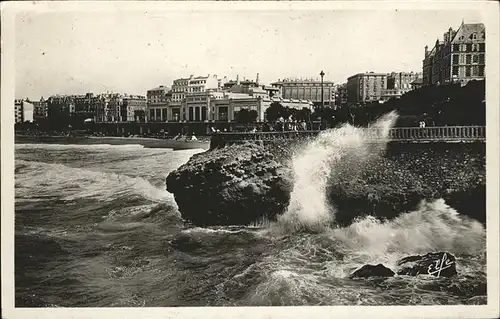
x,y
59,107
366,87
195,87
402,80
23,111
90,106
459,58
41,109
226,106
392,94
341,95
158,103
306,89
417,84
132,108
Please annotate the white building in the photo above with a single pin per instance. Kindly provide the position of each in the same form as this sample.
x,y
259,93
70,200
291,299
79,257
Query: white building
x,y
23,111
158,104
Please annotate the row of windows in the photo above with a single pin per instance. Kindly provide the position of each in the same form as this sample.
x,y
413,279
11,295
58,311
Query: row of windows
x,y
469,47
290,86
474,70
468,58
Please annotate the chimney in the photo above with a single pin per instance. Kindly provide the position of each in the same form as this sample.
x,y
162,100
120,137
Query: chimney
x,y
426,51
237,79
257,79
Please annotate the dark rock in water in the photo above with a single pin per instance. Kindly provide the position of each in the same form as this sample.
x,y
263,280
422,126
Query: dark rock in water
x,y
235,185
439,264
372,271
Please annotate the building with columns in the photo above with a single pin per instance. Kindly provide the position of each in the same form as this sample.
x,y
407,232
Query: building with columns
x,y
458,58
157,100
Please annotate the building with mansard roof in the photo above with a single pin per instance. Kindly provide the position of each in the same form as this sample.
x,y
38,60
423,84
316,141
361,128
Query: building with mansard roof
x,y
458,58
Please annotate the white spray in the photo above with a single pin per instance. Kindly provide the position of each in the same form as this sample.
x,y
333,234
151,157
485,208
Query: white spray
x,y
313,165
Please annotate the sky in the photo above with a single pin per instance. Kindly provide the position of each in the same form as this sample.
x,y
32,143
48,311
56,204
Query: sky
x,y
133,51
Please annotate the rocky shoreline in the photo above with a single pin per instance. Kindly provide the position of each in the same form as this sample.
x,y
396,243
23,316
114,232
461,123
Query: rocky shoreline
x,y
225,186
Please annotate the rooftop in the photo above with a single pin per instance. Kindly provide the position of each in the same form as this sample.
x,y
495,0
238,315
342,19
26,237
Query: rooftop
x,y
466,31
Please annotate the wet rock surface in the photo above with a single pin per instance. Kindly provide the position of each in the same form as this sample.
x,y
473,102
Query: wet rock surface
x,y
438,264
372,271
235,185
242,183
395,183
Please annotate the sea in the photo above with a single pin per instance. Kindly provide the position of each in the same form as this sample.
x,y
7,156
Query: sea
x,y
96,227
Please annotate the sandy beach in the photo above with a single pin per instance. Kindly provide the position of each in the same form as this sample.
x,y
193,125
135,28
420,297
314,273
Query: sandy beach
x,y
112,140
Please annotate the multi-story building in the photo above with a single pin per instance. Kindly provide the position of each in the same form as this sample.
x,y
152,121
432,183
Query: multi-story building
x,y
23,111
341,95
402,80
458,58
158,100
226,106
59,109
132,108
181,88
111,106
90,106
417,84
306,89
366,87
41,109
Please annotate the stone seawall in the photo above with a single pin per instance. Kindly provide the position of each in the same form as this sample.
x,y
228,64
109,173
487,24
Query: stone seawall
x,y
242,183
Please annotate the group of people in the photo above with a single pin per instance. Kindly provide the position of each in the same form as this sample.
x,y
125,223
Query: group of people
x,y
289,124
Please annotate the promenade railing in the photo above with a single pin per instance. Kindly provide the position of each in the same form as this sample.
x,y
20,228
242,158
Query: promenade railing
x,y
435,133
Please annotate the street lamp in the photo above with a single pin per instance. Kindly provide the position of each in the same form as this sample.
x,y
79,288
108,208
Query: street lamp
x,y
322,95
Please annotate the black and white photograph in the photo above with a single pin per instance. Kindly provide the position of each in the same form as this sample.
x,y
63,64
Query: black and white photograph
x,y
201,158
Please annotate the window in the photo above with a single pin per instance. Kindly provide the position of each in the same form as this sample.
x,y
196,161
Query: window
x,y
468,59
474,36
455,58
467,70
463,47
475,58
462,58
481,59
455,70
481,70
475,70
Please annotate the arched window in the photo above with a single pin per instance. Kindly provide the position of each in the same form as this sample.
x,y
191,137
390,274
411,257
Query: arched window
x,y
474,36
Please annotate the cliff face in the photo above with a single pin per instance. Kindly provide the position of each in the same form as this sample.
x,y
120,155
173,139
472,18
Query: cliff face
x,y
240,184
231,186
409,173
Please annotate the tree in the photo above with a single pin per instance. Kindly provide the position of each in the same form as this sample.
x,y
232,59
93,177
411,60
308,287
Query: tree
x,y
253,116
303,115
274,111
246,116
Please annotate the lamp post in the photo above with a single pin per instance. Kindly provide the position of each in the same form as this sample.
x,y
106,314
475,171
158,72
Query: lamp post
x,y
322,95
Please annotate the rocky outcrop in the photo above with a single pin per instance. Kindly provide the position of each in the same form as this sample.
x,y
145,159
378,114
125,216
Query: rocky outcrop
x,y
372,271
240,184
438,264
234,185
389,185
